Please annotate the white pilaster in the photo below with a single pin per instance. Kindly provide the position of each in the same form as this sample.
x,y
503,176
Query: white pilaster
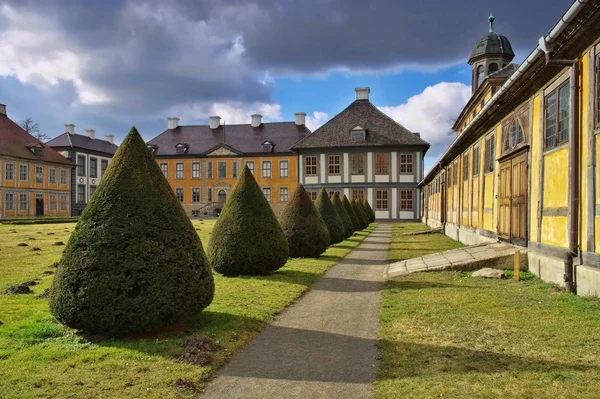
x,y
394,203
394,156
346,168
301,169
369,167
323,166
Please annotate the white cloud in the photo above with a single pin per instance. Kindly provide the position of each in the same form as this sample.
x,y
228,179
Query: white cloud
x,y
34,51
432,112
230,113
317,120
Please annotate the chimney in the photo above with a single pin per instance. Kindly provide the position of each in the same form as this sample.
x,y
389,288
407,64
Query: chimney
x,y
173,123
91,133
300,118
417,134
70,128
2,109
110,138
256,120
362,93
215,121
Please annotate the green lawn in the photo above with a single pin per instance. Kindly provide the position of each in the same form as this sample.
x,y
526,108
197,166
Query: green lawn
x,y
446,334
406,247
42,359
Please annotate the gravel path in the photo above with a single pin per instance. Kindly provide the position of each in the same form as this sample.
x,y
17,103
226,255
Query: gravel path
x,y
323,346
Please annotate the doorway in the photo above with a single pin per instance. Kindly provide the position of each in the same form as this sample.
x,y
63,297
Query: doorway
x,y
512,200
39,205
222,196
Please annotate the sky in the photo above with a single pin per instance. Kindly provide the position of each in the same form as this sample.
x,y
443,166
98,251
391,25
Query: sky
x,y
109,65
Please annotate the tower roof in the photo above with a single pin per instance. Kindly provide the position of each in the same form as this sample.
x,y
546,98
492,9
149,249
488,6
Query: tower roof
x,y
492,44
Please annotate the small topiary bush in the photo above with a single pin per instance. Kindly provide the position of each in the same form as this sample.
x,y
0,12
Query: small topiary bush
x,y
331,217
348,206
134,262
360,214
368,210
343,214
304,227
247,238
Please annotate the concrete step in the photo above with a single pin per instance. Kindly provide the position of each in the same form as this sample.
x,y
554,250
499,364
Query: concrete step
x,y
497,255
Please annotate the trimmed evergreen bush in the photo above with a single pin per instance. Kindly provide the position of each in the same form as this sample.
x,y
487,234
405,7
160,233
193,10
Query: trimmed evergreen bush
x,y
343,214
351,213
331,217
304,227
369,210
247,238
364,211
134,262
360,214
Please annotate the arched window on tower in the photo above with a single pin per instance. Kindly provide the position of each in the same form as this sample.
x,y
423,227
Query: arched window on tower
x,y
493,67
480,75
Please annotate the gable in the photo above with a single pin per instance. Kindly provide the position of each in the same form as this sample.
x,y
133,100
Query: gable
x,y
220,151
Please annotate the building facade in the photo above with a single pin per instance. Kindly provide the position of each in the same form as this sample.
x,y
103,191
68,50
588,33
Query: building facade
x,y
202,162
33,177
364,154
91,157
524,165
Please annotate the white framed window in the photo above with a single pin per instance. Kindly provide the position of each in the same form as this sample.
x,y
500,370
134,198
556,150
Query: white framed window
x,y
267,193
266,169
52,176
381,200
9,202
284,168
310,166
53,202
164,167
63,202
103,166
222,170
80,165
406,200
9,171
179,194
81,194
195,194
179,171
195,170
234,168
63,177
23,173
23,201
39,174
250,165
283,194
93,167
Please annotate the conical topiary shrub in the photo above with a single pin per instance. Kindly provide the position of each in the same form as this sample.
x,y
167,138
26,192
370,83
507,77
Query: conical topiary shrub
x,y
304,227
331,217
360,214
353,217
369,210
366,211
336,200
247,238
134,262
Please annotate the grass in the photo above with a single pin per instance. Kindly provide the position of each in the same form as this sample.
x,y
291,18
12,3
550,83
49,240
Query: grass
x,y
406,247
446,334
42,359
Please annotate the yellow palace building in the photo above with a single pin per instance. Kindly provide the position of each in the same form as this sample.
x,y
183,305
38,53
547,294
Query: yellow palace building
x,y
524,165
202,162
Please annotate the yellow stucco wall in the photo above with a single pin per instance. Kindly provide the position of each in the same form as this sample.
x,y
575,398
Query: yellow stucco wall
x,y
554,231
534,170
556,169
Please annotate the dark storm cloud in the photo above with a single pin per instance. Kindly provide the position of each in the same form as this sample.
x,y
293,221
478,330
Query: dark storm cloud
x,y
148,56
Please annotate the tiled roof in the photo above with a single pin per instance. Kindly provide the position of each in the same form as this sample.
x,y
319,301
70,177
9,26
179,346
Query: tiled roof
x,y
243,139
16,142
493,44
83,142
381,130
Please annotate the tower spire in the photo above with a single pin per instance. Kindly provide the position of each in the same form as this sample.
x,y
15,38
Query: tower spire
x,y
491,18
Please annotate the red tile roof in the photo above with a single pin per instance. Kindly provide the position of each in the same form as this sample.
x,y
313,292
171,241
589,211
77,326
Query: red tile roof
x,y
16,142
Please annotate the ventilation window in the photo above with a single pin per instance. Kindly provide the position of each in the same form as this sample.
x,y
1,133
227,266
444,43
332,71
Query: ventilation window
x,y
181,148
152,148
268,146
358,134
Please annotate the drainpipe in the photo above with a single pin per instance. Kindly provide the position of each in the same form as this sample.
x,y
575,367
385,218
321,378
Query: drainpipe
x,y
573,199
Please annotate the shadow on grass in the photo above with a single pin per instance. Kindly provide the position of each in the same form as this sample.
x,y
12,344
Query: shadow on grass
x,y
423,360
420,285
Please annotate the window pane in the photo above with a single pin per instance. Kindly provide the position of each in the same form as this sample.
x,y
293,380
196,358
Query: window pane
x,y
283,168
551,121
358,164
563,114
266,169
334,164
381,164
250,165
406,163
222,170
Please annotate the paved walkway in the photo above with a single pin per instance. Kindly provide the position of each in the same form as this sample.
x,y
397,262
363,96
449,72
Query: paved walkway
x,y
323,346
495,255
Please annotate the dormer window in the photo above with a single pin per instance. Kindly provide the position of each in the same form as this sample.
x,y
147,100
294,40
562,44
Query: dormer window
x,y
181,148
358,134
152,148
37,149
268,146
